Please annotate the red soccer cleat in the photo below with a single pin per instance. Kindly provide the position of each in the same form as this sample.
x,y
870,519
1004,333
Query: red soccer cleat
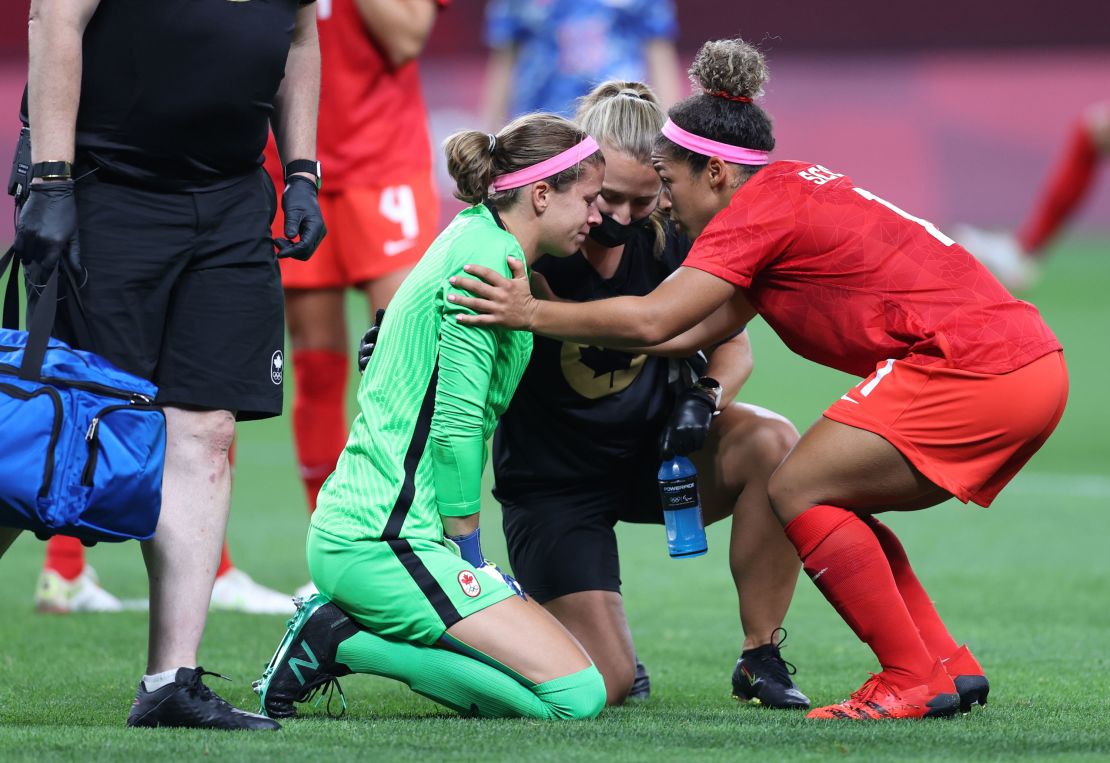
x,y
878,699
967,674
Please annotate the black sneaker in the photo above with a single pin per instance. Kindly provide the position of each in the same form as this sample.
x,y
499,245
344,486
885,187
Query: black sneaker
x,y
973,690
641,684
967,674
188,703
762,677
304,664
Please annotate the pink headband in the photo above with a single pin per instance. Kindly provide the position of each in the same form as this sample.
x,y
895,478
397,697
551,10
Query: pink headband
x,y
546,168
707,147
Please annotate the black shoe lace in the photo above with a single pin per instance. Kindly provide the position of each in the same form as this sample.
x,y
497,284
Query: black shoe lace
x,y
196,687
324,687
770,659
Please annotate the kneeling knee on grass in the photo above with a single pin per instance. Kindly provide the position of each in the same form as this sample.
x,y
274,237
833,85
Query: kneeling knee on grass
x,y
476,685
578,696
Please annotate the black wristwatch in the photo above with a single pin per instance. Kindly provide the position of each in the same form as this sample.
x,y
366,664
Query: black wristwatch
x,y
712,388
52,170
311,166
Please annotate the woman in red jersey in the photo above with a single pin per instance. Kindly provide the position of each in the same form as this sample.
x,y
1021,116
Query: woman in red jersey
x,y
962,382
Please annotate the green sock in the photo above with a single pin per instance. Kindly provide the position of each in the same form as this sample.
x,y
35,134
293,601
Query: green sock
x,y
461,683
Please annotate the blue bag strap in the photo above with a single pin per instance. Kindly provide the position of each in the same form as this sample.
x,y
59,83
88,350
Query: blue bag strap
x,y
40,325
11,293
78,318
38,330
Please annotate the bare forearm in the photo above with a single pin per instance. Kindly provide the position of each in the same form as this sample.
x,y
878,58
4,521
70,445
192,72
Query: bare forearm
x,y
718,327
685,299
55,30
399,27
298,99
499,77
456,526
616,322
663,71
731,364
677,305
705,334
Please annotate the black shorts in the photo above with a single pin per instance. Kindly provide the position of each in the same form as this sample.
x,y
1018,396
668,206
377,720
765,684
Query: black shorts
x,y
561,540
184,289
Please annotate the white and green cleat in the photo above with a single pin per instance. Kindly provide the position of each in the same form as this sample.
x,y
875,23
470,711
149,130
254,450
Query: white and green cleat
x,y
304,664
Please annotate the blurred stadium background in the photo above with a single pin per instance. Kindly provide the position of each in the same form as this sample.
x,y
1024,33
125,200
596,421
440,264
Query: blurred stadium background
x,y
952,108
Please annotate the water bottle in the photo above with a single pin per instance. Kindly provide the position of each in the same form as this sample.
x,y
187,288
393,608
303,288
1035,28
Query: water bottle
x,y
678,492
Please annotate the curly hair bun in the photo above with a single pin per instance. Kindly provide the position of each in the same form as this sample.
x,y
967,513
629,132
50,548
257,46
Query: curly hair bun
x,y
731,66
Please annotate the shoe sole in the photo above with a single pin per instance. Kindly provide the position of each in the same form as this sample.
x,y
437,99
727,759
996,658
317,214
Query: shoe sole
x,y
305,610
753,699
757,702
940,706
743,700
973,691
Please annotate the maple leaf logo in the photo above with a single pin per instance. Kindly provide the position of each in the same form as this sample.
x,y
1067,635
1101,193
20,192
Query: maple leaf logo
x,y
469,583
602,361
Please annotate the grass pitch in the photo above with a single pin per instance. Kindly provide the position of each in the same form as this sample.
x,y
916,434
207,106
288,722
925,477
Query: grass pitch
x,y
1026,583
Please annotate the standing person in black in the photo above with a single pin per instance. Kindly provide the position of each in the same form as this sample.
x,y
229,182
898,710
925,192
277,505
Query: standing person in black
x,y
148,121
579,447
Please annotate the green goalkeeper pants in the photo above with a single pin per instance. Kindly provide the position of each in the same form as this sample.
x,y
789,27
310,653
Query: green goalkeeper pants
x,y
405,596
408,589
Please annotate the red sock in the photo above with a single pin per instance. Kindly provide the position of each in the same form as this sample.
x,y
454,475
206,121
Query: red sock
x,y
225,561
319,418
225,556
924,613
1069,181
845,561
65,556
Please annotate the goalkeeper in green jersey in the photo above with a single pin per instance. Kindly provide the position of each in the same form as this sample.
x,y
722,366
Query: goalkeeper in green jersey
x,y
394,543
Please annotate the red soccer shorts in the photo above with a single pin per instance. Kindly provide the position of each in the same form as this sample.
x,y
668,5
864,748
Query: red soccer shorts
x,y
371,232
967,432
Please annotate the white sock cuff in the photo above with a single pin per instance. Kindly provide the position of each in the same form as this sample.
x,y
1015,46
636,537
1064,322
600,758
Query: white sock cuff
x,y
158,680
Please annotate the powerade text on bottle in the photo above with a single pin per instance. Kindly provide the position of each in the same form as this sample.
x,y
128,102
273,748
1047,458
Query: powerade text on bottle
x,y
678,492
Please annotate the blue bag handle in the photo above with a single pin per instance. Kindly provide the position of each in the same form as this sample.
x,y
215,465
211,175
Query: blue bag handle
x,y
41,324
38,330
11,293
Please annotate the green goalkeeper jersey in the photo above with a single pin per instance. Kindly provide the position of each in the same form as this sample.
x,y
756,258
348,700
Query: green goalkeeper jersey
x,y
429,400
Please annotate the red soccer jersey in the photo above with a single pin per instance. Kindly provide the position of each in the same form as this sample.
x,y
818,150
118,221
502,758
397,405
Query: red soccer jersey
x,y
847,279
373,123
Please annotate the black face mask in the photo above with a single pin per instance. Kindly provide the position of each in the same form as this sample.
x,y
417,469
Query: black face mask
x,y
611,233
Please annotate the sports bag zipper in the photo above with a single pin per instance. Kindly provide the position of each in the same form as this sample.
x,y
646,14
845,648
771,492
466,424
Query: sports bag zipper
x,y
135,398
92,437
55,430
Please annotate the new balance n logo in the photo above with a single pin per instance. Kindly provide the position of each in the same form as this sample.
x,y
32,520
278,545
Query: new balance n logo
x,y
296,664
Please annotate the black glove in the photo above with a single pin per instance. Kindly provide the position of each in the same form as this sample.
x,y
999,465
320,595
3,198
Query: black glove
x,y
300,204
688,425
47,230
369,339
